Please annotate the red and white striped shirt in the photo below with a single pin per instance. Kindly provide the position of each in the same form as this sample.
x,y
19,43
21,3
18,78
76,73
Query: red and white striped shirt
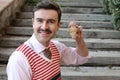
x,y
18,67
42,69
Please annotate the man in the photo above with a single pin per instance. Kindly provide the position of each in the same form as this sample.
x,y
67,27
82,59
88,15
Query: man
x,y
40,57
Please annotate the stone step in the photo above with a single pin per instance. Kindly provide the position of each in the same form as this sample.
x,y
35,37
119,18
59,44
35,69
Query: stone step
x,y
80,73
90,73
82,10
75,16
86,17
80,1
95,43
3,72
5,54
85,24
98,57
80,4
68,9
92,33
63,32
14,41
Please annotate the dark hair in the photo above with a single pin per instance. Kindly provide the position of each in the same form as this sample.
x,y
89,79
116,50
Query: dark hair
x,y
47,4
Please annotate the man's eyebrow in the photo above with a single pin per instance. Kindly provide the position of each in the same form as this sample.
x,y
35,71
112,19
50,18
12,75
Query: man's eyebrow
x,y
52,19
38,18
46,19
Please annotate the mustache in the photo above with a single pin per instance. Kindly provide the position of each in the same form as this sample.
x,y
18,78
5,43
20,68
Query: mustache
x,y
46,30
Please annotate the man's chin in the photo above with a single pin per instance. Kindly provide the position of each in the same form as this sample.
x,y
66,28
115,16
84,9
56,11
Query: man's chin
x,y
44,39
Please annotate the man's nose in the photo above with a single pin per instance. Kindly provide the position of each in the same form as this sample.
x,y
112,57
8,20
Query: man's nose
x,y
45,25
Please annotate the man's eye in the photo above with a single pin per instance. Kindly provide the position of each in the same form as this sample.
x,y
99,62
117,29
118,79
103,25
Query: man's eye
x,y
39,20
51,21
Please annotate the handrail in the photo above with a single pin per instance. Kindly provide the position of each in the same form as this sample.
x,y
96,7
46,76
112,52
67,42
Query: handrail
x,y
8,8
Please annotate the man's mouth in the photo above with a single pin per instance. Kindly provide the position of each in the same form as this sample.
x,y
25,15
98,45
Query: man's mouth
x,y
47,31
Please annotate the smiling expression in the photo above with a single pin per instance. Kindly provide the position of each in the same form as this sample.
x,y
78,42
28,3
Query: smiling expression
x,y
45,25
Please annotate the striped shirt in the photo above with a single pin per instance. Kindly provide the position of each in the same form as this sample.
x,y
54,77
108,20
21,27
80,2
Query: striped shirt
x,y
18,67
42,69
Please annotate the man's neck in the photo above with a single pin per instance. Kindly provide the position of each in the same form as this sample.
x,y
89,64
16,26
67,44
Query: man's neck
x,y
46,44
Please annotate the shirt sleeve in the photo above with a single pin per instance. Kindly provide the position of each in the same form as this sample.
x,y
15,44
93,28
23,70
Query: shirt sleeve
x,y
69,55
18,67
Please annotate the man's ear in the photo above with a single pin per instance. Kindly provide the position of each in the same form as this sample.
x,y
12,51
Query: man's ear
x,y
33,22
59,25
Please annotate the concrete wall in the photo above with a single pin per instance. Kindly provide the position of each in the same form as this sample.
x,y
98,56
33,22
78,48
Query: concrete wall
x,y
8,8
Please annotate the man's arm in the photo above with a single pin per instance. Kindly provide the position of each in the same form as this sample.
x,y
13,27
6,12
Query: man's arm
x,y
18,68
81,46
69,55
80,43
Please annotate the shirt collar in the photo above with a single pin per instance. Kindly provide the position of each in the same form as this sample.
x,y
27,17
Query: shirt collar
x,y
37,46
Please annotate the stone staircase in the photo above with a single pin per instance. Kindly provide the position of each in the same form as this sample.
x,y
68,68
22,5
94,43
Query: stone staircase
x,y
102,40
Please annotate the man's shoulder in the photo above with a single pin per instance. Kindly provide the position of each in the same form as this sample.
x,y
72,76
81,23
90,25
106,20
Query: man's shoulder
x,y
16,56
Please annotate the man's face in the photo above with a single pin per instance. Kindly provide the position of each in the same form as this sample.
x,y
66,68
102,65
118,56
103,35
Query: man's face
x,y
45,25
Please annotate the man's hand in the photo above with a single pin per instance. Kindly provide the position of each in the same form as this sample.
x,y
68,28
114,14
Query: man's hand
x,y
75,31
77,34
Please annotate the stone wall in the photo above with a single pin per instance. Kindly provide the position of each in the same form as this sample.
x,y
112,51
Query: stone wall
x,y
8,8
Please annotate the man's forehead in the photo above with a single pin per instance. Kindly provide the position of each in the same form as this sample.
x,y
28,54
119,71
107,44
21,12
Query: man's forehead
x,y
46,10
46,13
39,18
